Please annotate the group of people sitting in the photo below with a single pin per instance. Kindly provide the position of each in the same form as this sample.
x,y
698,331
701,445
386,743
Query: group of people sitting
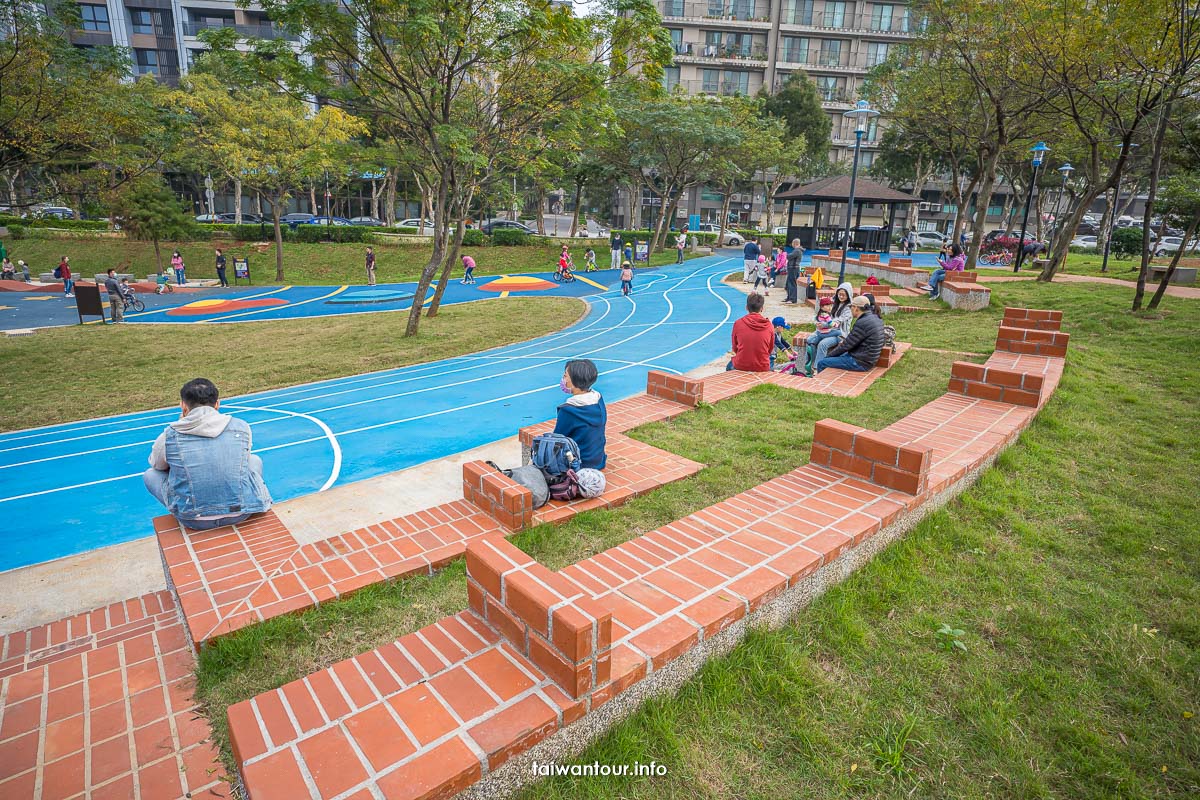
x,y
203,471
849,335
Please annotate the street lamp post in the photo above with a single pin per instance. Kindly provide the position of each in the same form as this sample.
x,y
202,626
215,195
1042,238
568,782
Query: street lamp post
x,y
1039,151
861,112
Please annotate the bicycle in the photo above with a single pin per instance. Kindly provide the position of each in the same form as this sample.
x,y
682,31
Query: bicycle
x,y
132,301
163,285
563,277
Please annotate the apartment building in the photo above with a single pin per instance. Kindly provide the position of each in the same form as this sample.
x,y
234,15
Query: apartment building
x,y
163,35
730,47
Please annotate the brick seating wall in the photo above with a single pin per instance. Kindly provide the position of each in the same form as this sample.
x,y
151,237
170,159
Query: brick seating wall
x,y
1032,341
1032,318
898,271
454,703
678,389
994,383
497,495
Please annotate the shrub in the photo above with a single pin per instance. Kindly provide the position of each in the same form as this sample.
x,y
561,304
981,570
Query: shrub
x,y
51,222
309,234
17,231
1126,242
473,238
403,229
510,237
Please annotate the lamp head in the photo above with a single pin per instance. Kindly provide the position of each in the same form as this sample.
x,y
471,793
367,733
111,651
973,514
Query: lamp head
x,y
1065,170
861,112
1039,151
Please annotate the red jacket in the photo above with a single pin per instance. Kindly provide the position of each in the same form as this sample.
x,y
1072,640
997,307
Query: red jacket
x,y
64,269
753,338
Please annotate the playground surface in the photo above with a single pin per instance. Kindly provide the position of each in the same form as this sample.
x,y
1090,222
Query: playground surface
x,y
75,487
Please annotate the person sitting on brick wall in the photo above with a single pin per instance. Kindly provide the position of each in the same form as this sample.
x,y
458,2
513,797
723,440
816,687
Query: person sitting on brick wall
x,y
753,339
860,349
583,417
201,467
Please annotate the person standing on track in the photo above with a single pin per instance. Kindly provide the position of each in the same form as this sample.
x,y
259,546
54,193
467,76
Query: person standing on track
x,y
750,254
370,266
221,268
201,467
617,245
177,265
116,302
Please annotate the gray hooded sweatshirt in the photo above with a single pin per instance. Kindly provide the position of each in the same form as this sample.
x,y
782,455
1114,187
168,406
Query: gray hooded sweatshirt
x,y
203,421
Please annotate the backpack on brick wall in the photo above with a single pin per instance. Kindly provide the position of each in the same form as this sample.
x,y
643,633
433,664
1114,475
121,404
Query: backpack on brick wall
x,y
889,336
554,454
531,478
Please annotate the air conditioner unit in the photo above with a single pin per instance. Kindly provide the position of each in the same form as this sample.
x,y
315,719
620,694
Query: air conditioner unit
x,y
924,206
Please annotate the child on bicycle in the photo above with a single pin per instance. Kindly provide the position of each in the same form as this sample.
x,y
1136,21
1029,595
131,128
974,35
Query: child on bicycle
x,y
563,273
626,278
162,283
589,260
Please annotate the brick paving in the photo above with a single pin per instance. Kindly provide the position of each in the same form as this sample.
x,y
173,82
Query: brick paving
x,y
99,705
441,708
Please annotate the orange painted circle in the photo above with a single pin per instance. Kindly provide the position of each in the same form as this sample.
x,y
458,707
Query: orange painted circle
x,y
221,306
517,283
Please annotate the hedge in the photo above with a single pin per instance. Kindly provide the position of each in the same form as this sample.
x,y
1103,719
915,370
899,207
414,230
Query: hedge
x,y
510,237
52,222
473,237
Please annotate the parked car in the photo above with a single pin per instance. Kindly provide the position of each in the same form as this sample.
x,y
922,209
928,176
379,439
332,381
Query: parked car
x,y
297,219
327,221
1085,242
930,239
415,222
1171,244
1087,228
370,221
208,218
57,212
230,218
491,225
732,238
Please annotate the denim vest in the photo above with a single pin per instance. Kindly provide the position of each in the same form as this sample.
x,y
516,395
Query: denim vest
x,y
211,477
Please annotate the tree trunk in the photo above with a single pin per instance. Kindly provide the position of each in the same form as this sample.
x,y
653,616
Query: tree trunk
x,y
1037,207
312,199
376,189
158,256
541,204
275,201
664,224
440,227
725,203
1170,273
258,204
460,213
237,201
960,219
1012,214
575,213
1155,169
981,207
390,210
1102,232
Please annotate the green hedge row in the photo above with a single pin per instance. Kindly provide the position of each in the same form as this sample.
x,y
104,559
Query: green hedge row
x,y
10,220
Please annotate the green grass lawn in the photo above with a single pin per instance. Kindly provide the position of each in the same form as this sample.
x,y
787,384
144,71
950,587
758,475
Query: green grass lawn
x,y
79,372
327,263
1072,569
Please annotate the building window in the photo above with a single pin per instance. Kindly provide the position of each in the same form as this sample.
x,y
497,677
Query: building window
x,y
795,49
828,87
949,208
711,80
798,12
95,18
673,8
831,52
866,158
141,20
835,15
670,78
677,40
877,53
193,54
146,61
995,211
881,17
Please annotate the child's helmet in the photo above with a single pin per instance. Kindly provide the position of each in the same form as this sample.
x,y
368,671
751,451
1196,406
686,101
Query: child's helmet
x,y
762,259
826,301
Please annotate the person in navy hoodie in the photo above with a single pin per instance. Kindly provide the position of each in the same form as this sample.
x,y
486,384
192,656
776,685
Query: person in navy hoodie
x,y
583,417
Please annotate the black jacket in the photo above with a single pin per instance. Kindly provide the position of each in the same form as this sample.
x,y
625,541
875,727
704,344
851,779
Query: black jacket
x,y
793,261
864,342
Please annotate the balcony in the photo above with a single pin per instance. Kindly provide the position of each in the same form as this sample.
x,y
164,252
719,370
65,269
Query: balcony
x,y
265,31
791,58
697,53
735,14
717,88
859,24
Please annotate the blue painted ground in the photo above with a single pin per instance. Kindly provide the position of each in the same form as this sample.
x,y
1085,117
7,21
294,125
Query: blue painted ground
x,y
42,309
70,488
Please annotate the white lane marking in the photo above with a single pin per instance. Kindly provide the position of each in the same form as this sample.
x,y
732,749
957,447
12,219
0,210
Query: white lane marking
x,y
329,434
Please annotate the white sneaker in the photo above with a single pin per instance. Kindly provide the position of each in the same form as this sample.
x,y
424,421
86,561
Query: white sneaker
x,y
69,294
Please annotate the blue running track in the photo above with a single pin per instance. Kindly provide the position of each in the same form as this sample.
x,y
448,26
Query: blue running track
x,y
70,488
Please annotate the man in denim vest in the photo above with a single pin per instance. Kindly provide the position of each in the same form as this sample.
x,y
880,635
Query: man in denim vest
x,y
201,467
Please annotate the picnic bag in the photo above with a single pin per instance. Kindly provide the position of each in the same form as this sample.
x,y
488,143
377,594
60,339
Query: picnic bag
x,y
531,478
554,454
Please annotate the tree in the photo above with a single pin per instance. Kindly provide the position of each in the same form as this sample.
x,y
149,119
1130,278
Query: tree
x,y
904,161
1181,200
469,84
150,212
273,137
798,105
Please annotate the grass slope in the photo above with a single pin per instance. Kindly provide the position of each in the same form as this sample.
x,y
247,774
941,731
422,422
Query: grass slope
x,y
1071,569
79,372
